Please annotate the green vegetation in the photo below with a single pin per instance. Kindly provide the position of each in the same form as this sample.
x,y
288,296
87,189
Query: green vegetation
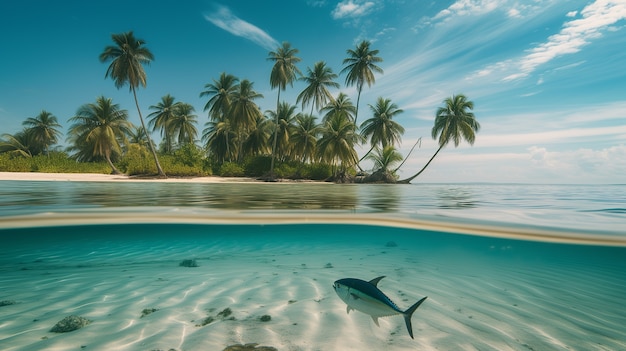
x,y
238,138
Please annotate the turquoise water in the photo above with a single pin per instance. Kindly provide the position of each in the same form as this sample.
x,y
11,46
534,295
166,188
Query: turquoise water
x,y
497,263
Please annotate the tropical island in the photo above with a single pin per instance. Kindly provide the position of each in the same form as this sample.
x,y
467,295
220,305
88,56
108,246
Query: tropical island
x,y
239,140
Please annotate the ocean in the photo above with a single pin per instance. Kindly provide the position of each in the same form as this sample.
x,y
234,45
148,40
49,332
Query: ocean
x,y
251,266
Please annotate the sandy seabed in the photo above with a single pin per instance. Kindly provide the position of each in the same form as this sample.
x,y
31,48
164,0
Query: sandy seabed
x,y
473,304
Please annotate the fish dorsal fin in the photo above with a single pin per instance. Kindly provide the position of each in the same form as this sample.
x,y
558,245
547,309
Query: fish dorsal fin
x,y
376,280
375,319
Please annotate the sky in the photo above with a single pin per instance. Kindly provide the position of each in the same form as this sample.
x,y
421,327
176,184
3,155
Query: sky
x,y
547,77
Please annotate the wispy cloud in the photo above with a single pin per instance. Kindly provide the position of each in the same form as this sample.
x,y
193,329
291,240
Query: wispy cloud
x,y
352,9
596,17
226,20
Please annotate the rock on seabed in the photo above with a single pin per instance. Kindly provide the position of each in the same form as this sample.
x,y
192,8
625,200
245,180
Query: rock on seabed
x,y
70,323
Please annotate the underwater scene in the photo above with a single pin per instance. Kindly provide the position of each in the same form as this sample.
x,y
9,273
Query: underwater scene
x,y
153,266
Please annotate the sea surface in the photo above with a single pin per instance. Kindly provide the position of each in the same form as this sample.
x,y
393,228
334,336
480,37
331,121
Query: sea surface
x,y
504,266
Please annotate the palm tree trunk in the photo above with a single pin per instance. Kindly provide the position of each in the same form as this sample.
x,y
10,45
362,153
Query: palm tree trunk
x,y
143,125
419,141
113,168
408,180
275,137
356,113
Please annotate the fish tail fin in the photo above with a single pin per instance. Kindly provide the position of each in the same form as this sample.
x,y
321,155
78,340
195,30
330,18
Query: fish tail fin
x,y
409,313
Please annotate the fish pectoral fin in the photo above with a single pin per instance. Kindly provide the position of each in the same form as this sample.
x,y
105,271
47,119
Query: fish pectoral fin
x,y
355,296
375,319
348,309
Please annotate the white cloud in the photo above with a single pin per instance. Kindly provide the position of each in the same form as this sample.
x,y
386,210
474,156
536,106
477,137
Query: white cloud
x,y
470,8
575,34
226,20
352,9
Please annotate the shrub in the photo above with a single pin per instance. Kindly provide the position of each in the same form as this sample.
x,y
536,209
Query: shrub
x,y
257,166
10,163
137,160
231,169
317,171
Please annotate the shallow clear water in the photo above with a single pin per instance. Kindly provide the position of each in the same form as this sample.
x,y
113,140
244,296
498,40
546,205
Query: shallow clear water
x,y
495,261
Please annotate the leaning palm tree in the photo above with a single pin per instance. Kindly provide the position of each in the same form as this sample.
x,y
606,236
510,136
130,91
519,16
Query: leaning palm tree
x,y
220,93
16,144
283,72
163,113
318,80
127,57
100,127
43,130
360,67
453,122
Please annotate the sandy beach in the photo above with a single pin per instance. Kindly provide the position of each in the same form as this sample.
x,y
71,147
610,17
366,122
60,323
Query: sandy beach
x,y
96,177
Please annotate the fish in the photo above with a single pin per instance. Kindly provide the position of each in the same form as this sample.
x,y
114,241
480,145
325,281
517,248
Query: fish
x,y
364,296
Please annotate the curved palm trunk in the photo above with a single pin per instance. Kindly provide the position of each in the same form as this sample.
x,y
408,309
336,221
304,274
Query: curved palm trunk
x,y
143,125
271,177
408,180
113,168
419,141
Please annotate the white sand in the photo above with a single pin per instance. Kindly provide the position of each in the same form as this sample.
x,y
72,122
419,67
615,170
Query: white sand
x,y
95,177
473,304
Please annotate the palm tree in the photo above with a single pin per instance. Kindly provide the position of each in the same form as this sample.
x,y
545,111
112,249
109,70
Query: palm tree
x,y
243,111
319,79
163,113
183,123
16,144
220,92
381,128
304,136
337,142
43,130
100,127
283,72
360,64
282,125
453,122
257,140
385,158
127,57
137,137
219,138
339,106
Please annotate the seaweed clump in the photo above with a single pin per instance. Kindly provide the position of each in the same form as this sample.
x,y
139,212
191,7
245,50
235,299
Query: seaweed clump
x,y
188,263
223,315
70,323
249,347
148,311
265,318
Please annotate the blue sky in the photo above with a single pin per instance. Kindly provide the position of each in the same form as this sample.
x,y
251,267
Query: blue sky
x,y
547,77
